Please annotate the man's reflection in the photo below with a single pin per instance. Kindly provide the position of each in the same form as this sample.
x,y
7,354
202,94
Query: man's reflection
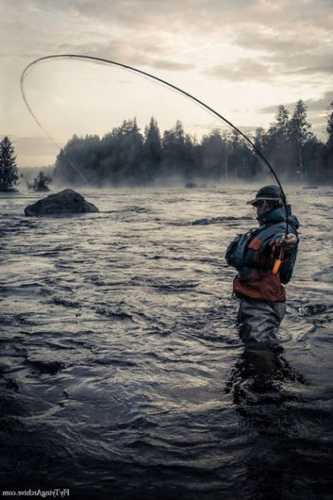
x,y
256,386
260,372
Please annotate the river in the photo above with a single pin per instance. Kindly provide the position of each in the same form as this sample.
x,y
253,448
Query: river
x,y
122,373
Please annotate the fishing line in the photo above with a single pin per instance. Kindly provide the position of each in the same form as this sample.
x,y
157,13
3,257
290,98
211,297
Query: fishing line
x,y
212,111
34,116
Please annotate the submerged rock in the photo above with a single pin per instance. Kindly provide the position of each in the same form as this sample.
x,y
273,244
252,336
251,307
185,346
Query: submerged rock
x,y
65,202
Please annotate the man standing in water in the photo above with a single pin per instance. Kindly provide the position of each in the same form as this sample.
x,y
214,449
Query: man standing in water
x,y
259,283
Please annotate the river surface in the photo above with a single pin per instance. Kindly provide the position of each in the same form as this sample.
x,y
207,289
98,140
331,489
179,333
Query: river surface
x,y
122,373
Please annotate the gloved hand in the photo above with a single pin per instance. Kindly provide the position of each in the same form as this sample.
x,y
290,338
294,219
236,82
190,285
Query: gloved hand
x,y
287,242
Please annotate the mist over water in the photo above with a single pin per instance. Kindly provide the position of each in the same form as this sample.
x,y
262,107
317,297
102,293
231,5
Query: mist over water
x,y
122,374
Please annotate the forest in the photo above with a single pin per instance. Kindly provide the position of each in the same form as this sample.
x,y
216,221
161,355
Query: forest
x,y
126,156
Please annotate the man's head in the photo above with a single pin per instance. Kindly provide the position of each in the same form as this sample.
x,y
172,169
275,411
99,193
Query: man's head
x,y
267,198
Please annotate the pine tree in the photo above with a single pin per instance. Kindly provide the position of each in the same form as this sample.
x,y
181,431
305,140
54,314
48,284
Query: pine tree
x,y
8,168
236,158
282,119
330,128
256,164
328,152
130,143
175,151
152,150
278,141
152,142
299,129
213,151
41,182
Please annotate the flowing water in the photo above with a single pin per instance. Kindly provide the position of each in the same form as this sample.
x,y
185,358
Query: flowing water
x,y
122,374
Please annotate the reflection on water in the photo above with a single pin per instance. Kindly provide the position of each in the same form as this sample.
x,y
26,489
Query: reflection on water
x,y
121,371
261,372
290,457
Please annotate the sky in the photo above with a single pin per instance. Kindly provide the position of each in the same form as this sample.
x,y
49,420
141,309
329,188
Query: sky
x,y
242,57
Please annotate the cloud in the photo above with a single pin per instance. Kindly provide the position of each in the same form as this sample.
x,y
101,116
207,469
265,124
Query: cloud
x,y
311,66
243,70
294,49
321,105
205,16
318,111
276,39
202,17
288,35
136,55
171,65
323,69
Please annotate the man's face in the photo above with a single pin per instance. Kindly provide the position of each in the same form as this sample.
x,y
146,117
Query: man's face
x,y
261,207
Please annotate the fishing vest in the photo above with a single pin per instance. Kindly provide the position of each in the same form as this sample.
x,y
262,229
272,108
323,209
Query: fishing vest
x,y
255,278
239,256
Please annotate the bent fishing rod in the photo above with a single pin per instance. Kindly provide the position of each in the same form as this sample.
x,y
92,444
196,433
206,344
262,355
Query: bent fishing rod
x,y
165,83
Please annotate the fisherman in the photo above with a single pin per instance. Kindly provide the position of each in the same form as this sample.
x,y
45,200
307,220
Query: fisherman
x,y
264,258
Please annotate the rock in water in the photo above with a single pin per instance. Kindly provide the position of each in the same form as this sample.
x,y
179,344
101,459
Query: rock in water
x,y
65,202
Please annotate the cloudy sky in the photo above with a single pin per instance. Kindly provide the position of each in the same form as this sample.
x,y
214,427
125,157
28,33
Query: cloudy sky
x,y
242,57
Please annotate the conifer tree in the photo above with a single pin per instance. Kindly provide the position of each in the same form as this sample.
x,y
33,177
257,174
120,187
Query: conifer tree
x,y
152,149
299,133
330,128
8,168
152,142
41,182
278,141
328,155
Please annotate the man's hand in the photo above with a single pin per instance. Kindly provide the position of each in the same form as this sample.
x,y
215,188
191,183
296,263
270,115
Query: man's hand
x,y
287,242
284,244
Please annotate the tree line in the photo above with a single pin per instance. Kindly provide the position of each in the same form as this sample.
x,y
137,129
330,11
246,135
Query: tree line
x,y
126,156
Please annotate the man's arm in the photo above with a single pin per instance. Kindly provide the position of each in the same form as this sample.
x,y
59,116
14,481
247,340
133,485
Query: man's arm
x,y
229,254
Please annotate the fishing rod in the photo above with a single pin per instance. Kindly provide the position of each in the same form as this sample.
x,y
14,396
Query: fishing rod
x,y
167,84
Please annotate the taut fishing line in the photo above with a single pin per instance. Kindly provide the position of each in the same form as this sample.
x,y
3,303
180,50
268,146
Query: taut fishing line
x,y
104,61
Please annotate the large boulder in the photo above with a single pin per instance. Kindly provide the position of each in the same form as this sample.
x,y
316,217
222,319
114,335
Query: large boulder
x,y
65,202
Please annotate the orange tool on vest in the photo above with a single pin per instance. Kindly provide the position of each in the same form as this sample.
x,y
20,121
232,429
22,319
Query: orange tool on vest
x,y
278,262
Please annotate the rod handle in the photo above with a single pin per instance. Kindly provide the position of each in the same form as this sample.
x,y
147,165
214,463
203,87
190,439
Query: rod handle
x,y
277,265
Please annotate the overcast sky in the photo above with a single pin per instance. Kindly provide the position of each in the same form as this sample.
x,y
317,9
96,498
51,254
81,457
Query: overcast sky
x,y
242,57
